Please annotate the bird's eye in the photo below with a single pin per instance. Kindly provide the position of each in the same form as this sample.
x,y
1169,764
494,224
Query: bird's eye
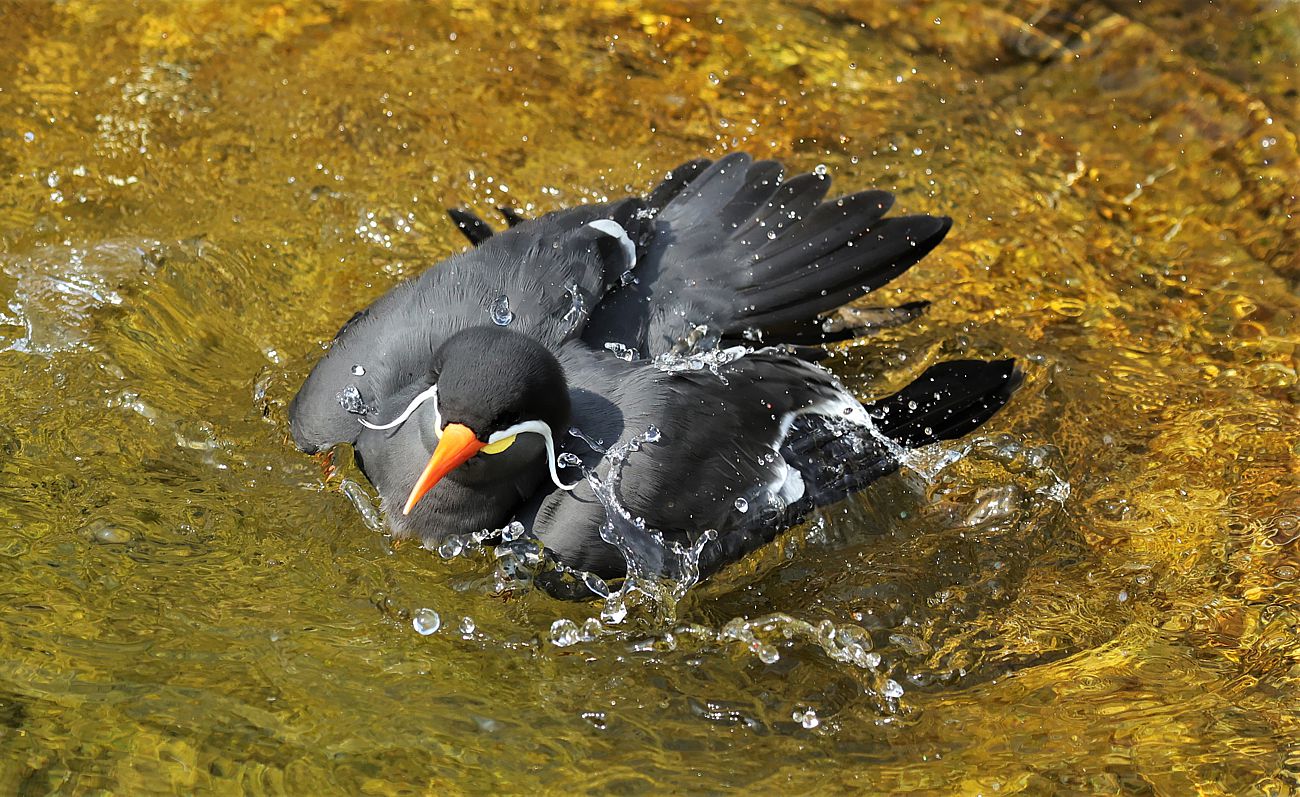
x,y
499,446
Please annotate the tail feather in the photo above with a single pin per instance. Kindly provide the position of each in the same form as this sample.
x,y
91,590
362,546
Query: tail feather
x,y
807,340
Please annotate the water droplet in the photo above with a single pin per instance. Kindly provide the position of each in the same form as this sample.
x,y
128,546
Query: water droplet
x,y
29,136
742,505
451,547
768,654
771,235
467,626
512,532
350,400
614,610
110,535
620,351
820,170
425,621
651,434
591,629
358,370
577,306
564,633
807,718
627,278
911,405
596,584
567,460
893,690
500,311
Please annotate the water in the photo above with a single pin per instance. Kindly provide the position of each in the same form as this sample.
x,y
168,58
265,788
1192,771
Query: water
x,y
1096,595
500,311
577,311
620,351
426,621
351,401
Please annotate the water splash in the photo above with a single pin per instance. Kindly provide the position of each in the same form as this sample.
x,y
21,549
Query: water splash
x,y
595,445
660,571
364,503
714,360
564,632
577,307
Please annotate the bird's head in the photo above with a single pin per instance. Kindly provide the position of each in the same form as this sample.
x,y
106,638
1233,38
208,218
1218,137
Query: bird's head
x,y
500,401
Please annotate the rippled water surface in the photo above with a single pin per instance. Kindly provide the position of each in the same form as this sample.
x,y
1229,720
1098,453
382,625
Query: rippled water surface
x,y
1095,593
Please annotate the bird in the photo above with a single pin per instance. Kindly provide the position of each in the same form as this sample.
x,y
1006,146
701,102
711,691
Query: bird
x,y
657,356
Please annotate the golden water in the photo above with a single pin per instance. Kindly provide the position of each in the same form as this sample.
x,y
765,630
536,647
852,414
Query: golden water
x,y
196,195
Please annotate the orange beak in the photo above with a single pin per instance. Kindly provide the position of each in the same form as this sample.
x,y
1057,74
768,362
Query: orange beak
x,y
458,444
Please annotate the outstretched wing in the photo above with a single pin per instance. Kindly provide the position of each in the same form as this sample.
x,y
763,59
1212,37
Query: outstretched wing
x,y
746,452
735,248
717,441
541,278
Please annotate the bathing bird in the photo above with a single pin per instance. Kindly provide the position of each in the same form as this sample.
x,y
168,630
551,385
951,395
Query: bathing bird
x,y
665,344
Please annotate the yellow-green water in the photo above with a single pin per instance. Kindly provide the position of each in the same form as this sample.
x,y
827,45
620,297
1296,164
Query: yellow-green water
x,y
197,194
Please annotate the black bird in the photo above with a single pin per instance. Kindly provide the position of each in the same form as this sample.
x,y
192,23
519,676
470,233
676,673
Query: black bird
x,y
682,321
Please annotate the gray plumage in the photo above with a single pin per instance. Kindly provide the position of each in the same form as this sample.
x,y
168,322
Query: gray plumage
x,y
718,252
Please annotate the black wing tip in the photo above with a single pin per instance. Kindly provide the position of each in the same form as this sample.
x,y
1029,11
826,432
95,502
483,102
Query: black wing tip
x,y
927,228
991,372
947,401
739,156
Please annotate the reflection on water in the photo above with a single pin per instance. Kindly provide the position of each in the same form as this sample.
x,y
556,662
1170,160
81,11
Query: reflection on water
x,y
192,211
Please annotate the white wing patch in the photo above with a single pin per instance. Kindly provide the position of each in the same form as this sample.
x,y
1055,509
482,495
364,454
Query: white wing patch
x,y
788,486
615,230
